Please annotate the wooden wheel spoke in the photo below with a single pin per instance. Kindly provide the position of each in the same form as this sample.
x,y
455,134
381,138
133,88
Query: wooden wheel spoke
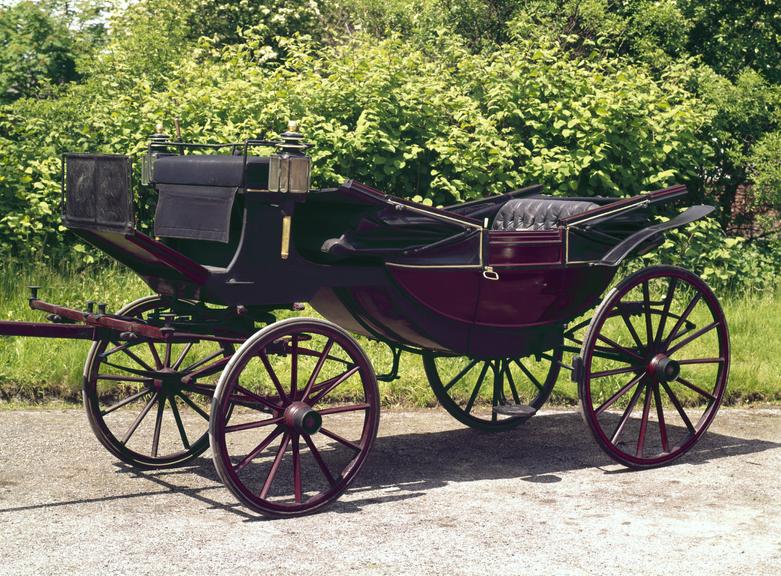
x,y
666,309
627,413
125,402
158,424
127,352
155,355
179,423
340,409
202,361
621,391
528,374
660,418
607,354
616,346
297,484
326,387
187,400
695,388
460,375
682,318
647,313
498,393
558,362
613,372
632,331
476,389
341,440
273,375
275,466
115,349
511,383
167,354
319,459
294,366
121,378
202,389
209,370
148,374
260,399
182,355
701,361
644,422
679,407
318,367
257,450
691,337
134,426
253,425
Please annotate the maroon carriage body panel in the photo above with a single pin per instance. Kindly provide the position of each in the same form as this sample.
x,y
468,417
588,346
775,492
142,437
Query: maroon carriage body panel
x,y
449,292
524,297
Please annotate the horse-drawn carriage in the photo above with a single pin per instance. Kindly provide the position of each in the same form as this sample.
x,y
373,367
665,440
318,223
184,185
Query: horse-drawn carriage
x,y
490,293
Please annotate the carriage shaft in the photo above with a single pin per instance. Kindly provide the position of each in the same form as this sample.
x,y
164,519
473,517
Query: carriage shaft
x,y
101,321
47,330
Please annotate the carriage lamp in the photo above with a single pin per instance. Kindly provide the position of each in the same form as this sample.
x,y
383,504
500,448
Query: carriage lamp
x,y
289,169
156,147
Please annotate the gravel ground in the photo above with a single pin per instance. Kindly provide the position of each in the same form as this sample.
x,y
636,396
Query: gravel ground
x,y
434,498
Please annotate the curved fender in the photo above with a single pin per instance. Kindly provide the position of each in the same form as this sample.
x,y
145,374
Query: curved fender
x,y
625,247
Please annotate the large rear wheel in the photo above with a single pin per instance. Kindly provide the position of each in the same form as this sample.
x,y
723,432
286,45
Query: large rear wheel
x,y
655,363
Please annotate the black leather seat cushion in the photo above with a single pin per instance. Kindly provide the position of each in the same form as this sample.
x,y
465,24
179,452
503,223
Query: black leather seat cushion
x,y
212,170
537,213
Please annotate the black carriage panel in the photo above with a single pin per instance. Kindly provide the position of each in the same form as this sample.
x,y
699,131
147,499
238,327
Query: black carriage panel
x,y
200,207
96,192
194,212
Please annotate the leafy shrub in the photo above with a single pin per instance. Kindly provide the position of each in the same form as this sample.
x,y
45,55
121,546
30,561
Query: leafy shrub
x,y
727,264
766,163
37,51
447,126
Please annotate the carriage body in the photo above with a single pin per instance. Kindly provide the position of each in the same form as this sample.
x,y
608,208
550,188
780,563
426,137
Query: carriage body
x,y
488,292
467,279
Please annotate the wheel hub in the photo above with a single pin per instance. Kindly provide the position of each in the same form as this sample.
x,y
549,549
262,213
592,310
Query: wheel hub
x,y
302,418
664,368
168,380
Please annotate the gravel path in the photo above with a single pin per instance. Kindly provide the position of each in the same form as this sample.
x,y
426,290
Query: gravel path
x,y
434,498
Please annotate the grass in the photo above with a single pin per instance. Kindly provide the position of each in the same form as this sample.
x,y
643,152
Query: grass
x,y
42,370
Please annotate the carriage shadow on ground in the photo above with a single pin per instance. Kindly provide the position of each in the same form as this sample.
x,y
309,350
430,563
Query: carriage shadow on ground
x,y
405,466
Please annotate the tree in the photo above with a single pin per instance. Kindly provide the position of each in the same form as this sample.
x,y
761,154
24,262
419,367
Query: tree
x,y
37,52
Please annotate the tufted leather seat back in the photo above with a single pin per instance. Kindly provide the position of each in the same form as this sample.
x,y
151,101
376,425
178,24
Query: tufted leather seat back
x,y
537,213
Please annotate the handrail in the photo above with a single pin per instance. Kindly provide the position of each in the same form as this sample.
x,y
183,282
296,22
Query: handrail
x,y
625,204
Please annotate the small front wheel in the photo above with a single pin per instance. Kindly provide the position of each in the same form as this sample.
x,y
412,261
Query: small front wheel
x,y
294,416
147,401
655,362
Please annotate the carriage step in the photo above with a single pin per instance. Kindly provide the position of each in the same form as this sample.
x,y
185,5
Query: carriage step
x,y
515,410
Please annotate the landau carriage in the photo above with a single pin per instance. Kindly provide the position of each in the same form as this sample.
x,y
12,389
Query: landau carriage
x,y
491,294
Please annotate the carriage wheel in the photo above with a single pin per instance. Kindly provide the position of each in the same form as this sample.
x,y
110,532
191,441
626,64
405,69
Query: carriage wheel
x,y
492,395
655,366
137,403
294,417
